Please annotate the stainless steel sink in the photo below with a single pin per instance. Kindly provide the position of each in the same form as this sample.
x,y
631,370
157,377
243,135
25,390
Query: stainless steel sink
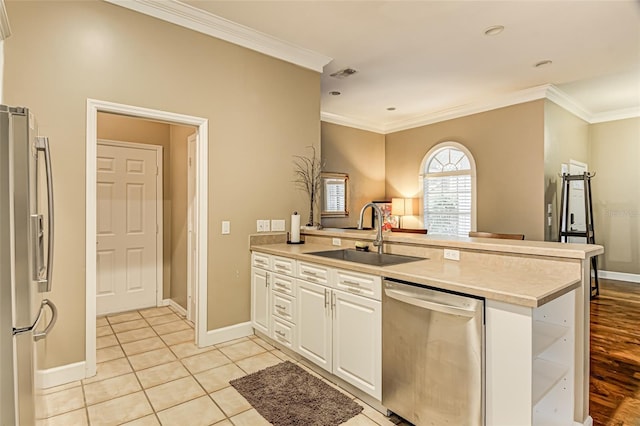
x,y
366,257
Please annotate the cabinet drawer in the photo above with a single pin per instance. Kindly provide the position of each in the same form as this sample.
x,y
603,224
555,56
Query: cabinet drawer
x,y
282,265
283,332
283,306
284,284
362,284
314,273
261,260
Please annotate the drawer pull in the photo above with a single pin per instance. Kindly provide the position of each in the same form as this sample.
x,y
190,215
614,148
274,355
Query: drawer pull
x,y
312,273
281,267
280,285
282,308
280,333
347,282
354,290
260,261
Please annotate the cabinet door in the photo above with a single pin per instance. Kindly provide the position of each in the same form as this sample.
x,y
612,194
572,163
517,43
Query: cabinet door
x,y
357,337
313,323
260,303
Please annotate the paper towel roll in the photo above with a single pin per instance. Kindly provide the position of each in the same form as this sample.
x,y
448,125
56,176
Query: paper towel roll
x,y
295,228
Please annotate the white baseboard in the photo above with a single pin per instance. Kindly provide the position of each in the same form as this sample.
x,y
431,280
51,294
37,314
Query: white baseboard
x,y
225,334
60,375
174,305
587,422
619,276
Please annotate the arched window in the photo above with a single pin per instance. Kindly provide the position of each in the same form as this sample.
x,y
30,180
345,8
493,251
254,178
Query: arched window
x,y
448,176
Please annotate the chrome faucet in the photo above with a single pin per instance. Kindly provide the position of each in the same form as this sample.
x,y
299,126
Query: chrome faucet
x,y
375,209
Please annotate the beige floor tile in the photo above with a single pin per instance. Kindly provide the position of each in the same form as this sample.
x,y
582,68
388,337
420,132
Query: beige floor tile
x,y
186,349
144,345
219,377
129,325
150,420
101,321
106,370
105,330
230,400
109,353
174,393
111,388
62,402
258,362
266,345
154,312
207,413
205,361
75,418
249,418
163,319
160,374
360,420
106,341
179,337
242,350
171,327
134,335
120,410
126,316
232,342
374,414
60,388
283,356
225,422
151,359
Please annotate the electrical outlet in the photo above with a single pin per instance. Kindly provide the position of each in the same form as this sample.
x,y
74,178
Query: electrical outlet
x,y
266,225
336,241
277,224
452,254
259,225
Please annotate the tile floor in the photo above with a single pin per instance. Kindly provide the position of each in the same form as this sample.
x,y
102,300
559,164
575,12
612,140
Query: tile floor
x,y
150,372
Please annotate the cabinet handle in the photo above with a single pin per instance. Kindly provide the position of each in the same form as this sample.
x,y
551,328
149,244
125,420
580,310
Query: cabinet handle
x,y
354,290
281,267
260,261
280,285
281,307
351,283
312,273
326,298
280,333
266,282
333,303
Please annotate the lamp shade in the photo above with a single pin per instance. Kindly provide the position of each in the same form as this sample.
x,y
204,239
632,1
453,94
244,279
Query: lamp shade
x,y
397,206
404,206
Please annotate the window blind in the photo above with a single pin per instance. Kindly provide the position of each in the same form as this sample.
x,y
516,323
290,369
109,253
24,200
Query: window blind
x,y
447,204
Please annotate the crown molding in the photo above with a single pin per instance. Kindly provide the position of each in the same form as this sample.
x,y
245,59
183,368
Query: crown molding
x,y
351,122
620,114
204,22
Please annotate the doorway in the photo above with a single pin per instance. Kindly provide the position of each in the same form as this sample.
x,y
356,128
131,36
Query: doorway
x,y
577,218
200,195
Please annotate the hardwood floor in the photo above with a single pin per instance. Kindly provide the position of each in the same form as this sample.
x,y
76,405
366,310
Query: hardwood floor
x,y
614,388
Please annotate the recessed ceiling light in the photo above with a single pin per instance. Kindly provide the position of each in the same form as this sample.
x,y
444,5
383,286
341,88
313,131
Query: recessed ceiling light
x,y
391,109
334,93
544,63
494,30
344,73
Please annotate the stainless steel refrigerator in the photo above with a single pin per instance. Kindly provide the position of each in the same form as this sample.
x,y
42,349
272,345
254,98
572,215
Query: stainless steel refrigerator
x,y
26,254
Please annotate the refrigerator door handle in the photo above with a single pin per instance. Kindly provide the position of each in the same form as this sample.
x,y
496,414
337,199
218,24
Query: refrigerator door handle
x,y
54,318
42,334
44,283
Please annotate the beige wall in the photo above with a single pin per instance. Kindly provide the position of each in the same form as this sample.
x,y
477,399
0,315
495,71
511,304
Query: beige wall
x,y
179,228
614,154
360,154
508,150
566,138
261,111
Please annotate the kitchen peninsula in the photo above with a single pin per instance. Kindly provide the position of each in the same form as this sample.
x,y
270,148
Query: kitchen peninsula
x,y
536,310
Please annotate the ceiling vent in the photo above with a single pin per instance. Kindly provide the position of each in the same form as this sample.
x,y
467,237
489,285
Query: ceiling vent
x,y
344,73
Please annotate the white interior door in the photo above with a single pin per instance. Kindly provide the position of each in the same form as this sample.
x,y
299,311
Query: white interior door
x,y
192,236
127,227
577,219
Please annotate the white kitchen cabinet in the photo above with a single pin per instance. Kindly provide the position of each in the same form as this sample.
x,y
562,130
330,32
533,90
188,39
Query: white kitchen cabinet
x,y
341,331
314,323
260,295
357,341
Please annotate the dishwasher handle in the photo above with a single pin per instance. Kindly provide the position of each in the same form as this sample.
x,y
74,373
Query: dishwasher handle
x,y
415,300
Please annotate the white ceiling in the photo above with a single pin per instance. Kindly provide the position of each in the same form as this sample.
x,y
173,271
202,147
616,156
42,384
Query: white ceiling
x,y
428,57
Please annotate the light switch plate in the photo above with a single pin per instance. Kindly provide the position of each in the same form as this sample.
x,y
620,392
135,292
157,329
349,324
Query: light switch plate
x,y
266,225
226,227
336,241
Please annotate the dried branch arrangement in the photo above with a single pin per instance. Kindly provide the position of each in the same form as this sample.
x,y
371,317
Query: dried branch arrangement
x,y
307,178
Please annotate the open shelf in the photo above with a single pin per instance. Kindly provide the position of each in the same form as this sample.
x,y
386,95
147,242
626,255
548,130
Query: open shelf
x,y
546,334
546,375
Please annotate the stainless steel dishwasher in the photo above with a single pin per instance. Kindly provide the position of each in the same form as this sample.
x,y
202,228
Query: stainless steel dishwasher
x,y
432,355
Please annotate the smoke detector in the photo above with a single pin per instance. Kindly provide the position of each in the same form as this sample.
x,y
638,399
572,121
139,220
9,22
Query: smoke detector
x,y
344,73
